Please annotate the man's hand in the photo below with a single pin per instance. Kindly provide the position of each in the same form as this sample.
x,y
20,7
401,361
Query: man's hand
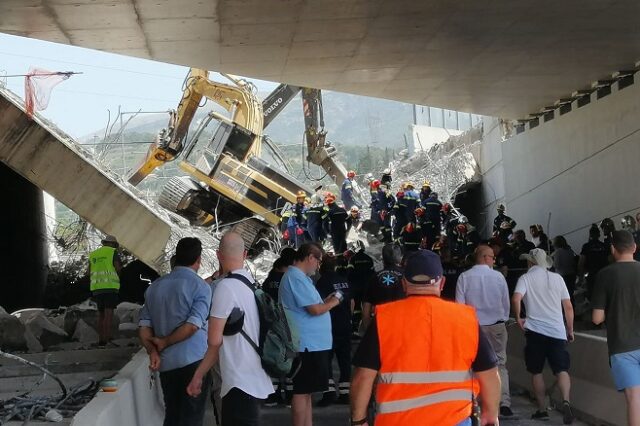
x,y
154,361
570,336
195,386
486,420
521,323
159,342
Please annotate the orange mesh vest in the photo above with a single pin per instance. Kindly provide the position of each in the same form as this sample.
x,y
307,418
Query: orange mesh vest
x,y
427,346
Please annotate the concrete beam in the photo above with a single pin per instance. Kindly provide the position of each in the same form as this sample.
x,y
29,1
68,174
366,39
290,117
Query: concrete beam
x,y
45,156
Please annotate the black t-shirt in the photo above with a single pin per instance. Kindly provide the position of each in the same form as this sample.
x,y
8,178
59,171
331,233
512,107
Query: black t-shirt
x,y
271,284
617,291
368,353
337,220
452,272
596,255
384,287
360,271
340,315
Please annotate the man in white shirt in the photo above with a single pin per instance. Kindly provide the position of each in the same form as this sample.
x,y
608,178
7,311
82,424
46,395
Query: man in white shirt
x,y
486,290
545,296
244,382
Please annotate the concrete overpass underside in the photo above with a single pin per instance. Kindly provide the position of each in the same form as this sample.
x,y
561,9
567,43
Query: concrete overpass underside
x,y
502,58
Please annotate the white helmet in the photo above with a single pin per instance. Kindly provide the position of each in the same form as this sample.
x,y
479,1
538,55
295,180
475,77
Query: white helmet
x,y
355,209
386,171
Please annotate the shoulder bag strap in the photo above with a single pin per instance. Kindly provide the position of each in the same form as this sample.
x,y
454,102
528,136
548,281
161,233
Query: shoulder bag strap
x,y
252,287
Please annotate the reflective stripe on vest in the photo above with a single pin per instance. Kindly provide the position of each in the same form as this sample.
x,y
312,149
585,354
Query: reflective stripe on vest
x,y
103,274
435,377
423,401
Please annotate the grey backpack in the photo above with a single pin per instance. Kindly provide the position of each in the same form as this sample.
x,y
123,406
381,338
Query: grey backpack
x,y
278,341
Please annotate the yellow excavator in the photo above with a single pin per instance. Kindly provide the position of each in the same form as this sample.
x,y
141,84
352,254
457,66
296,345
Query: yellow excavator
x,y
227,182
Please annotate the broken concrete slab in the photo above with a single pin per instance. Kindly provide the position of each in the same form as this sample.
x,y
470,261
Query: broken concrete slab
x,y
47,333
84,333
11,332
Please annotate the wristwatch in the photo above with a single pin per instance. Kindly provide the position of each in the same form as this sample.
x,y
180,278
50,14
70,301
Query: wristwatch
x,y
358,422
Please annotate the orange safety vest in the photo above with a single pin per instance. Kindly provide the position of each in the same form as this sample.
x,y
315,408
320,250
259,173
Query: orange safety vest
x,y
427,346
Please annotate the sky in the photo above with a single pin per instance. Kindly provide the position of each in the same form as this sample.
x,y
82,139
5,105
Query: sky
x,y
81,104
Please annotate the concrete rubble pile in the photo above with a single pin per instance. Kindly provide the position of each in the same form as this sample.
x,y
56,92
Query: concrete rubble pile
x,y
448,166
65,328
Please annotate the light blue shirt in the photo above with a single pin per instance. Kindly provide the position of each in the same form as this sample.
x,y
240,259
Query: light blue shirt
x,y
486,290
172,300
296,292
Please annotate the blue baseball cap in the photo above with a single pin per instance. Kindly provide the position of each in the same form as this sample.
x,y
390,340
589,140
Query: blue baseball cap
x,y
423,267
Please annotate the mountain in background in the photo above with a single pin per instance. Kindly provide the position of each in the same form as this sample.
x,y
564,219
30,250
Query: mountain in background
x,y
349,120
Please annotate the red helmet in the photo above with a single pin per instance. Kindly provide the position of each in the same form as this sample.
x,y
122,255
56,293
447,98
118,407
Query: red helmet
x,y
409,227
351,174
419,211
446,207
330,198
400,194
462,228
375,184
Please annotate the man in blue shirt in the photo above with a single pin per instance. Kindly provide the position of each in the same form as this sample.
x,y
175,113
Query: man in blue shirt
x,y
173,330
310,315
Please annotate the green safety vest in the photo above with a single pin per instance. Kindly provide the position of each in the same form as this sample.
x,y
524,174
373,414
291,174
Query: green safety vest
x,y
103,275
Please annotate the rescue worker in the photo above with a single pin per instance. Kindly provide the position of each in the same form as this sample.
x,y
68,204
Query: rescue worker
x,y
629,224
346,193
412,201
386,177
449,222
400,213
104,271
425,191
593,257
468,239
433,219
607,226
335,224
330,282
502,217
354,220
386,202
359,272
410,237
431,372
315,218
375,203
296,221
385,286
421,220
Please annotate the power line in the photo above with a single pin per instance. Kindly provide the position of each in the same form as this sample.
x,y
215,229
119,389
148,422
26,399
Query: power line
x,y
90,65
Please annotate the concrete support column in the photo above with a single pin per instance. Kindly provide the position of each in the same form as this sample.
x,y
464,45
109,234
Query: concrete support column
x,y
23,243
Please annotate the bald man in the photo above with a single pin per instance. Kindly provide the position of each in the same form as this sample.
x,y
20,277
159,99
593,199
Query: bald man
x,y
486,290
244,382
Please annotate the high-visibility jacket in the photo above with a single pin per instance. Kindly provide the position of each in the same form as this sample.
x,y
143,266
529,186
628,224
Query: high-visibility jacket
x,y
102,272
427,346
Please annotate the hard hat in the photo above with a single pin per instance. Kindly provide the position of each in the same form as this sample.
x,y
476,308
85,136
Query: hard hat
x,y
301,194
369,177
426,184
628,222
400,194
462,228
463,219
351,174
407,184
501,208
446,207
355,209
409,227
375,184
330,198
386,171
419,211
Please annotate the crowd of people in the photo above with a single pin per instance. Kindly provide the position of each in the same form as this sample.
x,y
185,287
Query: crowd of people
x,y
428,316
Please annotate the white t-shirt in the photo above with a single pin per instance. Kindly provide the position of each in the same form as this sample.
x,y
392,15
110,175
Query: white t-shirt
x,y
240,365
543,293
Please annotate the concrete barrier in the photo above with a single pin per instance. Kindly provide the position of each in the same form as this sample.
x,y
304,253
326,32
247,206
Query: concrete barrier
x,y
593,395
133,404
